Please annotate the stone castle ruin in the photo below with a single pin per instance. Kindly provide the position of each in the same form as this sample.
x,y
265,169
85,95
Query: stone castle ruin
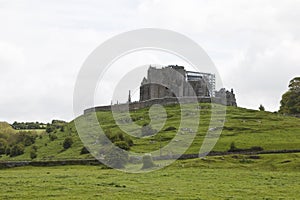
x,y
166,85
175,81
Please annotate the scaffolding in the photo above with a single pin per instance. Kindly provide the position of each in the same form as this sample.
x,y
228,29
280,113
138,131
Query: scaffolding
x,y
209,78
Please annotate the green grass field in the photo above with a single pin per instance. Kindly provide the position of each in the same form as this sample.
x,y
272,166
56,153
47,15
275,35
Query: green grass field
x,y
244,127
227,177
273,176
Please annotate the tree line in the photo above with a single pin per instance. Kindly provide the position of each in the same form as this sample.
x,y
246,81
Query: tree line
x,y
28,125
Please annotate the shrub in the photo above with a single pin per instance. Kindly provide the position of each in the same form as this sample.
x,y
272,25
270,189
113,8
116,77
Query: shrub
x,y
148,162
16,150
52,136
33,154
67,142
84,150
114,137
122,145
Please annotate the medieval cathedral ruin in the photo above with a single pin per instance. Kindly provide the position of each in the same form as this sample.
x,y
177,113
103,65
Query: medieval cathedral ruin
x,y
175,81
167,85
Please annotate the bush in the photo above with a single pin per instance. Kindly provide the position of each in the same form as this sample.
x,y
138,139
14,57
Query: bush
x,y
67,142
122,145
148,162
33,154
16,150
52,136
114,137
84,150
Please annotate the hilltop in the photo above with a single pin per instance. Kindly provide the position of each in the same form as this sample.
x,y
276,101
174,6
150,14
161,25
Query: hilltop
x,y
243,129
6,128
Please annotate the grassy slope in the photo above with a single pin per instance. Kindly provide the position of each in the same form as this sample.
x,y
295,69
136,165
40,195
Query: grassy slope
x,y
270,177
5,128
245,127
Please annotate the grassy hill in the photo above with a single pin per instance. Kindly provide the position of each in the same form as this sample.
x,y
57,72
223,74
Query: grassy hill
x,y
6,128
246,128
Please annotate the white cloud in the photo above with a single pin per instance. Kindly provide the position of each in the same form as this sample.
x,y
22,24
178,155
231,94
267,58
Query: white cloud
x,y
254,44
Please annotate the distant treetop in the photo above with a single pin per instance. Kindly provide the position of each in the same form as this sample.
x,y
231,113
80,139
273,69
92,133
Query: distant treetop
x,y
290,102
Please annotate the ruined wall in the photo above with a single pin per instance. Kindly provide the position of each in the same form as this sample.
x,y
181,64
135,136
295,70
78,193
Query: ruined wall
x,y
229,96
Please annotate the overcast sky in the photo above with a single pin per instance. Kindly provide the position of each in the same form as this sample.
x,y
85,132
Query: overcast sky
x,y
254,44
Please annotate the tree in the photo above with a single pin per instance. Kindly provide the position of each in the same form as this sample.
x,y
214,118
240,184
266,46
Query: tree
x,y
290,101
67,142
261,108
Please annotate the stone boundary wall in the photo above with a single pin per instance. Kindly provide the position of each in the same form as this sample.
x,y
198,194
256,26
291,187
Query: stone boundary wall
x,y
162,101
10,164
